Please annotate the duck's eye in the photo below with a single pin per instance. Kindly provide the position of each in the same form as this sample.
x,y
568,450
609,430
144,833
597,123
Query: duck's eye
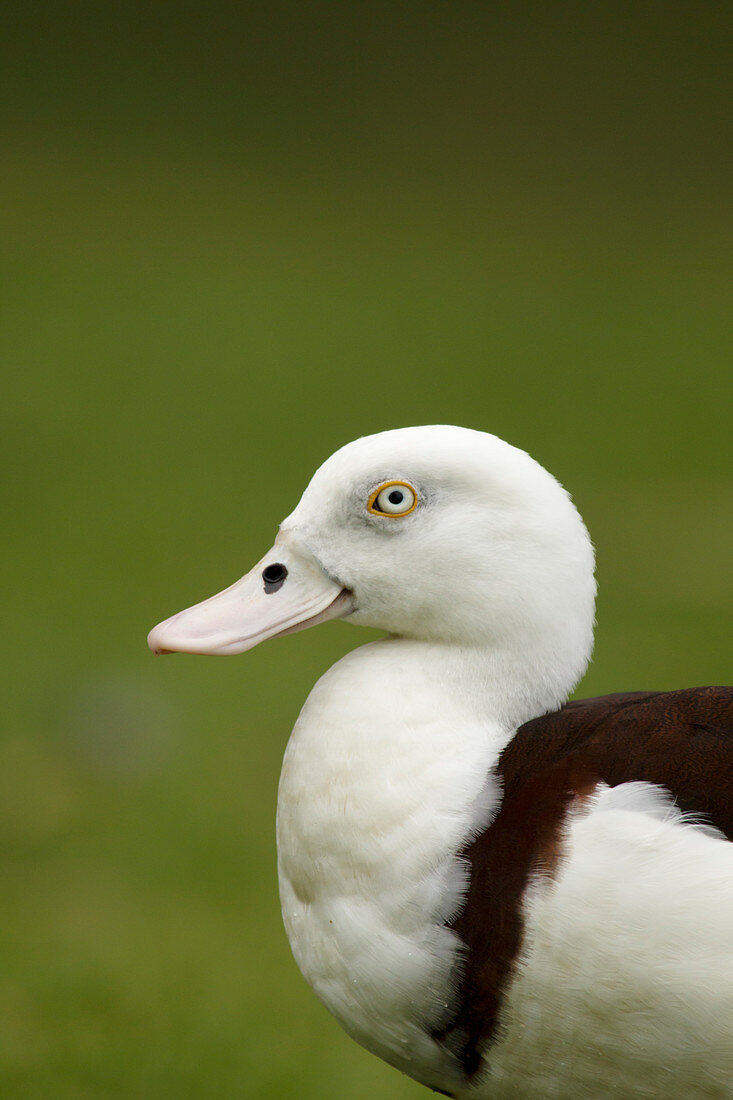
x,y
394,498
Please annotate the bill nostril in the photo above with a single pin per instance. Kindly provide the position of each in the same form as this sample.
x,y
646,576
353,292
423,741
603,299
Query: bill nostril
x,y
274,576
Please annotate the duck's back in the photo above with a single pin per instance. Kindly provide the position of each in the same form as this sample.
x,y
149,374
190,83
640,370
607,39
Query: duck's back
x,y
679,740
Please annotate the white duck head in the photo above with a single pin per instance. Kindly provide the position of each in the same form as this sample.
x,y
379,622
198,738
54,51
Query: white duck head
x,y
440,534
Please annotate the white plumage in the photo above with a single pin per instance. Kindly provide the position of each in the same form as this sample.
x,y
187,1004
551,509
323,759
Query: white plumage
x,y
623,985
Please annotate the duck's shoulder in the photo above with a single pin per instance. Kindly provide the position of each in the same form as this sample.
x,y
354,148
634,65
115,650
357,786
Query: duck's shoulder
x,y
679,740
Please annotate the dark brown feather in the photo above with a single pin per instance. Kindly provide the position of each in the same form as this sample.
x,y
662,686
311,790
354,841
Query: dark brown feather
x,y
681,740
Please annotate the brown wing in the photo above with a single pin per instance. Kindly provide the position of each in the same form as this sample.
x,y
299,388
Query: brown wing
x,y
681,740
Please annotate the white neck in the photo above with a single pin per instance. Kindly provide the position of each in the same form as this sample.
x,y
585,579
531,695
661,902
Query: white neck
x,y
501,686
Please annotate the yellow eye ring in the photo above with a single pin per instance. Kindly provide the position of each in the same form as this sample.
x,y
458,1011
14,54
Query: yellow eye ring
x,y
393,499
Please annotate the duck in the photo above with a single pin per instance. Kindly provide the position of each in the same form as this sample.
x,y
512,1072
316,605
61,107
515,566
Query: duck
x,y
501,893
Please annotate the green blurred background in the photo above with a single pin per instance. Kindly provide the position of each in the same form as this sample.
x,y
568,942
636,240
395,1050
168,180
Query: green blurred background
x,y
236,236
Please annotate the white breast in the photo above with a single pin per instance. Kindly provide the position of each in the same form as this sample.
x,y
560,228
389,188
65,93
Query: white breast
x,y
626,962
380,788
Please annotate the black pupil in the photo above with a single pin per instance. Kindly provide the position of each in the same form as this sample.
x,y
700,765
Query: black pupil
x,y
275,573
396,497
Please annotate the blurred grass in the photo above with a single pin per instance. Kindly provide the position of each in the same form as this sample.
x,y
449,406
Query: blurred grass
x,y
230,249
